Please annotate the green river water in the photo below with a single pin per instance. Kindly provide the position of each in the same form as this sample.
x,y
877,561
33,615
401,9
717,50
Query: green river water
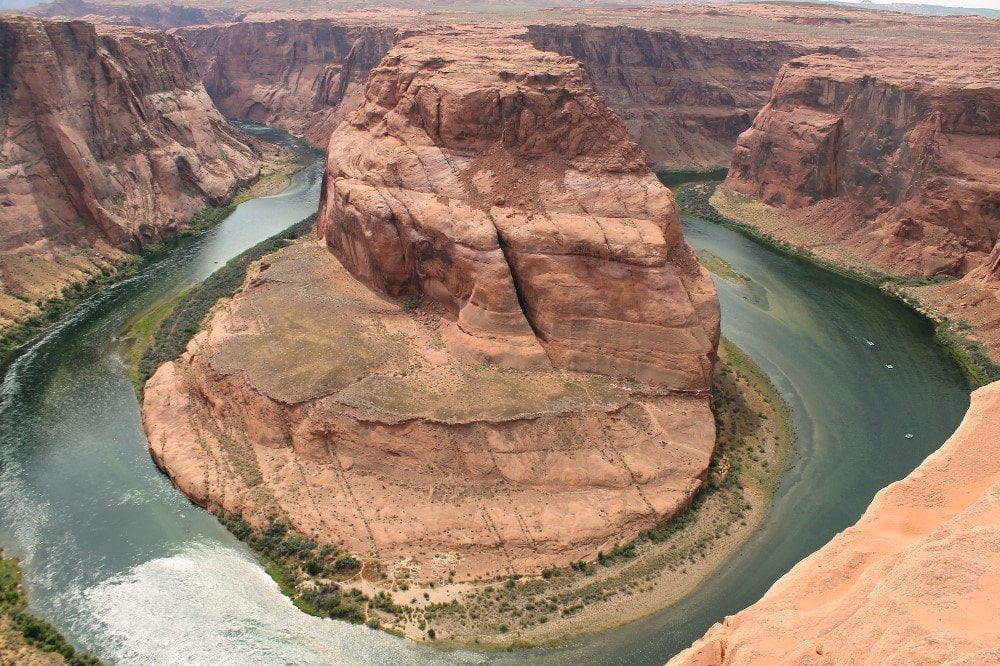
x,y
130,570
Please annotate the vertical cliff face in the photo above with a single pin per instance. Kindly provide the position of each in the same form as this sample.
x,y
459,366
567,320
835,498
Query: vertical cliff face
x,y
685,99
913,581
303,75
505,189
107,135
903,168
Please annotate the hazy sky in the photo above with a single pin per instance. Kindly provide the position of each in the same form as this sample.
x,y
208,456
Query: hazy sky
x,y
989,4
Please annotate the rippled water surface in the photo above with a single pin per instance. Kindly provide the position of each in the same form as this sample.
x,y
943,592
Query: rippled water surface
x,y
129,569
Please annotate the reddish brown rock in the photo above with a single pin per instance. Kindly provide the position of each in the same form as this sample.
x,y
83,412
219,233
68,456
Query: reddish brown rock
x,y
108,141
897,161
684,98
108,135
471,404
492,179
303,75
915,580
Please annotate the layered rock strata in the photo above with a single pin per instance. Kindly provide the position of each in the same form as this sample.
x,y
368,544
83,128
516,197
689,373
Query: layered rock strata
x,y
506,369
684,98
303,75
915,580
109,141
504,189
900,165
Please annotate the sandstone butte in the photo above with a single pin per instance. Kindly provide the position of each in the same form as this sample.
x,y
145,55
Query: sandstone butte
x,y
504,362
915,581
109,141
881,155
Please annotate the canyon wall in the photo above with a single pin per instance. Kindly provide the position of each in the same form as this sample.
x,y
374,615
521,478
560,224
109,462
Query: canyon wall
x,y
303,75
900,165
556,205
915,580
109,141
684,98
506,365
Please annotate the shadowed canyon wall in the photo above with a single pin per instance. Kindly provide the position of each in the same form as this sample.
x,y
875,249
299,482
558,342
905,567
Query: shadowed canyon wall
x,y
304,75
903,168
684,98
109,140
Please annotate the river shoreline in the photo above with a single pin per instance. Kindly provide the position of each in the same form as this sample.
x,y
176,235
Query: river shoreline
x,y
696,198
273,178
754,442
25,637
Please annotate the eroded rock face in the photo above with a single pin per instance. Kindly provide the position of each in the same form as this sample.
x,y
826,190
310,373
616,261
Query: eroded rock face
x,y
107,135
913,581
315,401
303,75
684,98
507,372
490,177
900,163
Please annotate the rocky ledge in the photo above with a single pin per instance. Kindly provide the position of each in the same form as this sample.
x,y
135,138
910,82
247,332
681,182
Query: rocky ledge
x,y
913,581
504,368
109,142
896,163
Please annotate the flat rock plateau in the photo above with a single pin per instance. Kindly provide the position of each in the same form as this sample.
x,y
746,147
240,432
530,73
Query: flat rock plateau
x,y
413,395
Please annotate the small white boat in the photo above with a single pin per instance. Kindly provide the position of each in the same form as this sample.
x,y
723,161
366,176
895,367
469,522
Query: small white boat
x,y
890,366
869,343
908,435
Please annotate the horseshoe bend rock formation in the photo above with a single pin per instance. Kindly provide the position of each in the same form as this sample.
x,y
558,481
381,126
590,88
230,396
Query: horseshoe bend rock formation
x,y
898,162
109,140
497,183
913,581
508,371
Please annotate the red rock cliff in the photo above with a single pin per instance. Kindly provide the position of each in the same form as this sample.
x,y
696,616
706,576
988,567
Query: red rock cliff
x,y
443,388
915,580
899,163
107,134
684,98
506,190
303,75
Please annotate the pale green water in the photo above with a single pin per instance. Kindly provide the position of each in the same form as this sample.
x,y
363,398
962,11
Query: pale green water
x,y
118,560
